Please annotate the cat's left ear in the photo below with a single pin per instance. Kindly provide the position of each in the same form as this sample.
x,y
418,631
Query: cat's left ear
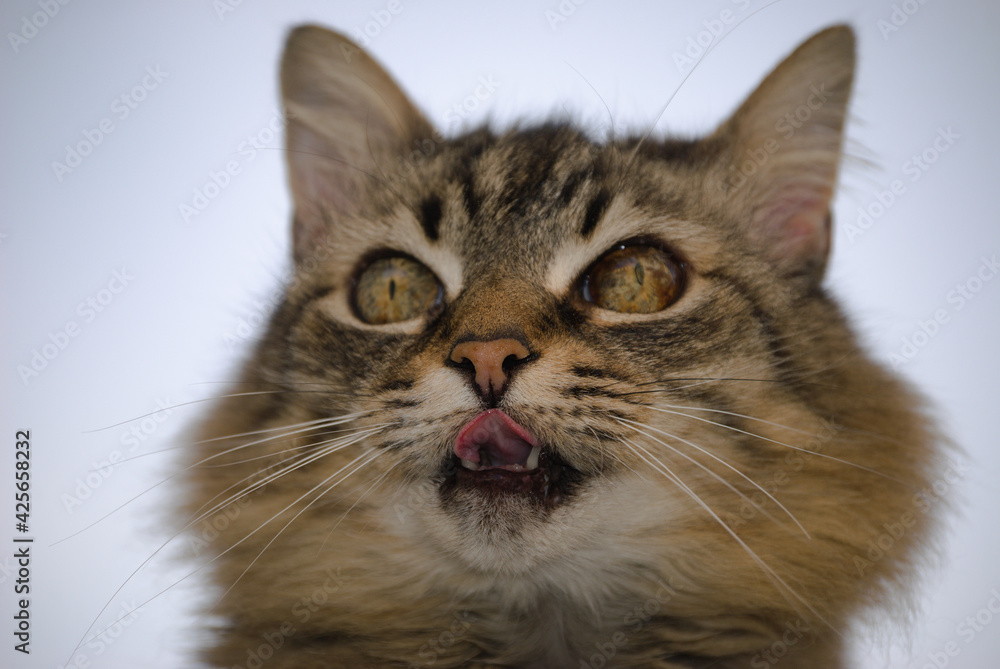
x,y
347,121
782,149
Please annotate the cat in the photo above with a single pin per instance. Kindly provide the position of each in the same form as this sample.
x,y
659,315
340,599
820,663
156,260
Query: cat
x,y
536,400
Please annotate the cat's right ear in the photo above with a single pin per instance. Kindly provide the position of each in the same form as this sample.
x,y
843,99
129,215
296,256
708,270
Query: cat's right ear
x,y
784,150
346,118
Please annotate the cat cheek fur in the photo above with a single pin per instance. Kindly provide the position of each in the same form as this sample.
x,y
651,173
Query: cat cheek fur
x,y
712,471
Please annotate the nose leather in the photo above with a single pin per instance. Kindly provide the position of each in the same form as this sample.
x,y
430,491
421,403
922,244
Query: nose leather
x,y
487,357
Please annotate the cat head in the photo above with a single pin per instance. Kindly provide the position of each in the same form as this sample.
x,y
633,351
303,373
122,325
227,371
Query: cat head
x,y
560,357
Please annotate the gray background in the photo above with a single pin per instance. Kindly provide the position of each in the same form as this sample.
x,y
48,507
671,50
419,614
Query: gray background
x,y
199,287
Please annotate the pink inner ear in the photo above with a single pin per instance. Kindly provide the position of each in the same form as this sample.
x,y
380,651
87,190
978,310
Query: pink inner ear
x,y
804,233
796,228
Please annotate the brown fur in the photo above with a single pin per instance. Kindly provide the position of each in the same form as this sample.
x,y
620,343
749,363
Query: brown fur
x,y
666,553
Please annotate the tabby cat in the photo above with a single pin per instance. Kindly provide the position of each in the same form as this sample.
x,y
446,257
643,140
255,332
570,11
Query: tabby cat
x,y
535,400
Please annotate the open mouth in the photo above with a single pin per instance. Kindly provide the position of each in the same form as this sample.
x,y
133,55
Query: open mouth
x,y
494,455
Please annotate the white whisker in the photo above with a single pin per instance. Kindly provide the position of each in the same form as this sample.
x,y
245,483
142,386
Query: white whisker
x,y
325,448
371,452
304,460
350,433
370,489
775,441
316,424
184,404
137,496
636,448
724,463
321,422
736,415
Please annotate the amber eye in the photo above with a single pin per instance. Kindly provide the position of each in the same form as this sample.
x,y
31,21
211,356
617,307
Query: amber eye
x,y
395,289
634,279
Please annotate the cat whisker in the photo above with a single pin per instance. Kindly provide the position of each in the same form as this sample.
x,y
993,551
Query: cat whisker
x,y
153,413
735,414
371,488
687,76
322,422
301,461
606,452
289,433
324,452
214,398
350,432
371,454
614,456
658,465
324,448
694,382
116,509
145,492
281,385
131,611
316,424
611,117
633,424
775,441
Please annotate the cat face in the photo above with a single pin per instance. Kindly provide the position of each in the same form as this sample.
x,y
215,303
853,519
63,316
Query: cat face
x,y
500,242
530,362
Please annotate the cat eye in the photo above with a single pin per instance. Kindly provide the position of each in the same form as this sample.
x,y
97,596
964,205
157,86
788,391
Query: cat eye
x,y
394,289
633,279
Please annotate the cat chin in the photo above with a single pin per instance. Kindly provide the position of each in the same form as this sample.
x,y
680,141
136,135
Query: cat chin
x,y
512,536
505,535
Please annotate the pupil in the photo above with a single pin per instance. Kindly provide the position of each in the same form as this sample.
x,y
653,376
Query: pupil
x,y
392,288
640,273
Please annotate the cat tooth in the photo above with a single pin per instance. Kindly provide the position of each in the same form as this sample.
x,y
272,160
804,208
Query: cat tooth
x,y
532,462
469,464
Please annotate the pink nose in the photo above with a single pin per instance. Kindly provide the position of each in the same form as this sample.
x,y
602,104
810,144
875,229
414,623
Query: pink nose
x,y
487,357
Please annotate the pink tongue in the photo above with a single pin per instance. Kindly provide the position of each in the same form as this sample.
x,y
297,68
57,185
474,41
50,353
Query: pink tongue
x,y
493,439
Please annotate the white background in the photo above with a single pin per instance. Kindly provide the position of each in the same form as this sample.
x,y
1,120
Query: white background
x,y
178,327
